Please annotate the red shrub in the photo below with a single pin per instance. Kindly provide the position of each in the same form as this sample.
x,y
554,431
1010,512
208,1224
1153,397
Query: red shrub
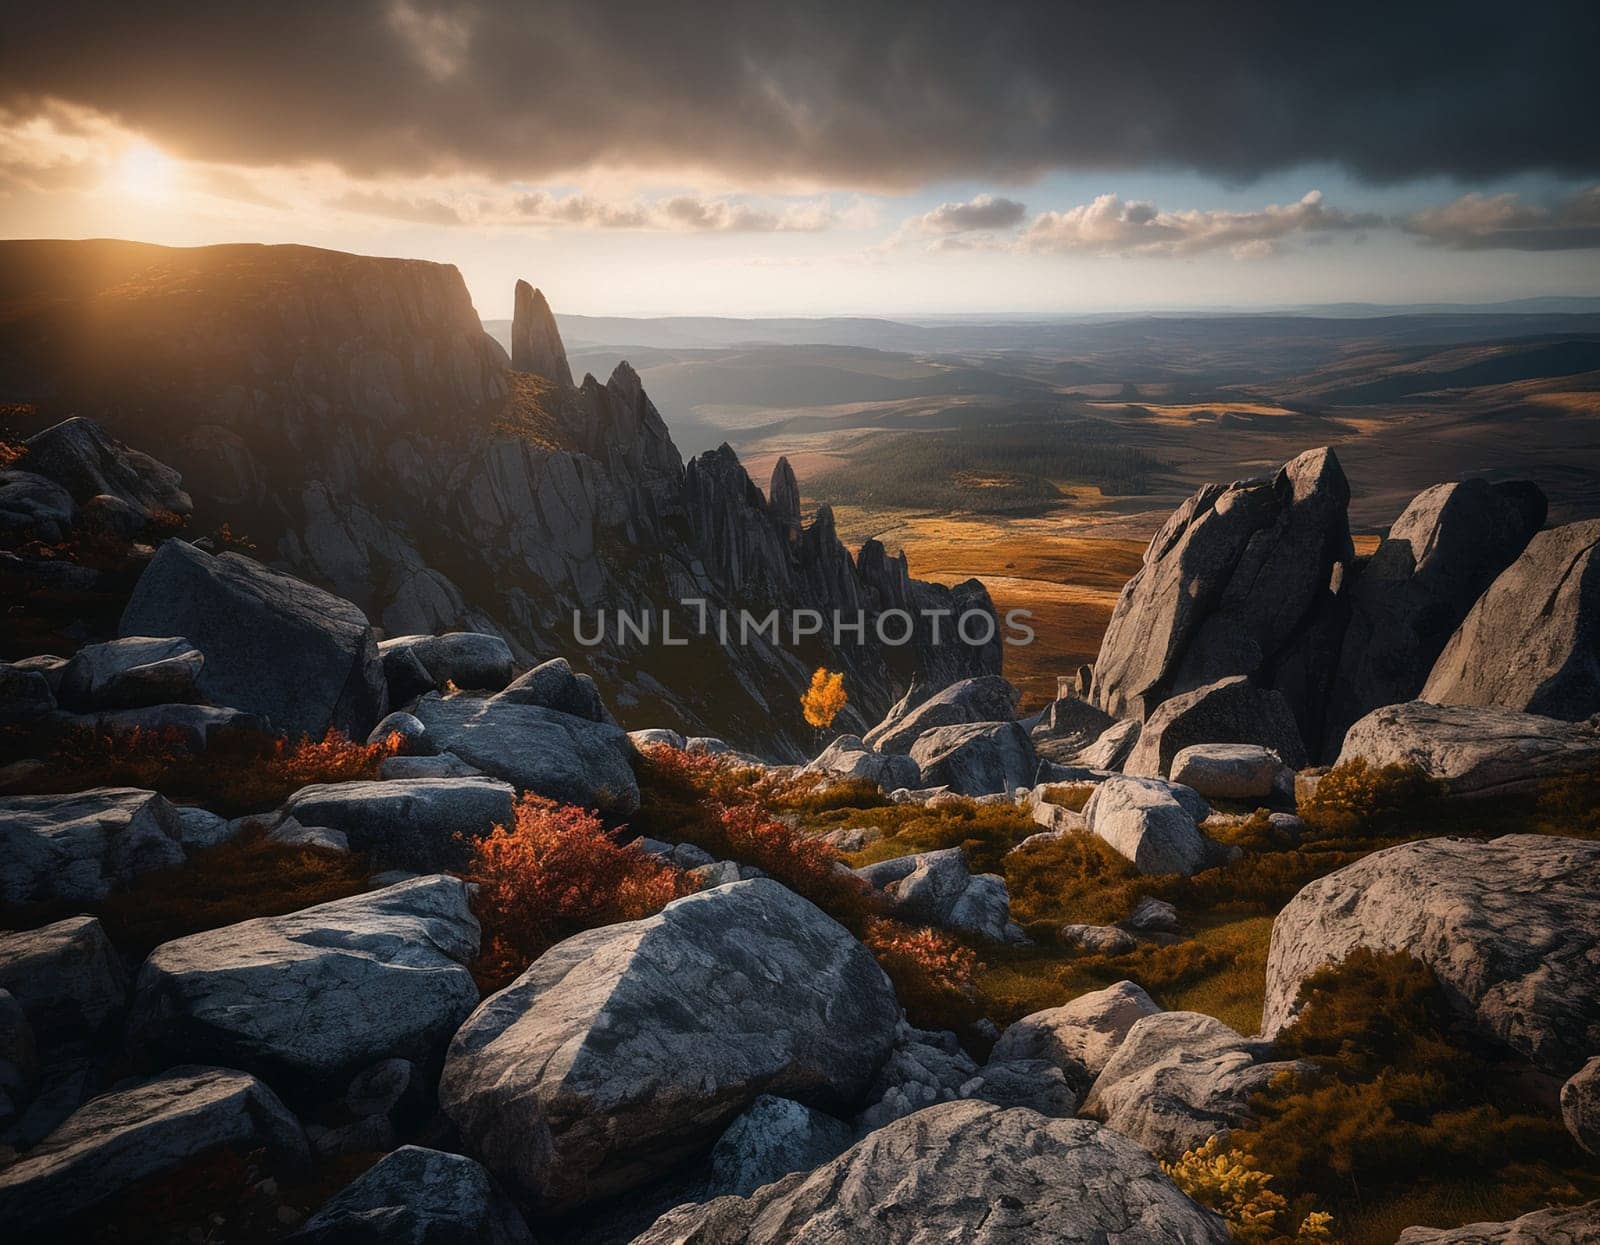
x,y
934,976
552,873
805,864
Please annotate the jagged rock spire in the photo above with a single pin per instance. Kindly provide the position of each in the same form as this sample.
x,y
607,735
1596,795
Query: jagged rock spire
x,y
535,340
783,499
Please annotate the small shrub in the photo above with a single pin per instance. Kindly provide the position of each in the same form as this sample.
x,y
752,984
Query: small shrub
x,y
1230,1183
1573,803
806,865
934,976
11,453
824,699
554,872
1356,797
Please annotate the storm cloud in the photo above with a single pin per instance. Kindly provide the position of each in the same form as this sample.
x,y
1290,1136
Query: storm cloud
x,y
843,94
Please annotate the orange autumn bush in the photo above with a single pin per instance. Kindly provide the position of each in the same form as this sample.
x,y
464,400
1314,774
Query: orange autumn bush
x,y
824,699
554,872
935,977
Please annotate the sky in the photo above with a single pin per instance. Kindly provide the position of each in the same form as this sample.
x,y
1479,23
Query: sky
x,y
833,158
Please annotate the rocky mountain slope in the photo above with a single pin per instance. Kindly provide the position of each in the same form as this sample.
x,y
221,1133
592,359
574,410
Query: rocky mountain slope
x,y
350,418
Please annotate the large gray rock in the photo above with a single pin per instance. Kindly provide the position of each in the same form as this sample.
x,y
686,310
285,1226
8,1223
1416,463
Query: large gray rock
x,y
549,753
469,659
1179,1078
1227,585
1558,1225
35,508
1081,1036
67,978
1153,823
1232,771
317,995
1532,642
935,888
418,1197
1068,726
1511,928
88,462
1580,1105
1472,750
79,848
1111,747
987,698
408,823
979,758
963,1171
625,1049
275,646
554,685
197,725
131,673
1438,558
1229,711
770,1139
849,757
149,1129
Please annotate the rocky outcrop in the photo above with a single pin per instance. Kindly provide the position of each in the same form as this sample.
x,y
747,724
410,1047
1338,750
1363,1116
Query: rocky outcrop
x,y
1474,751
153,1128
81,847
849,757
1559,1225
783,500
980,758
979,1173
1532,642
311,662
1439,556
1152,823
627,1048
1180,1078
1510,927
935,888
1229,711
1228,584
986,699
131,673
553,754
418,1197
310,998
1081,1036
1232,771
1580,1105
408,823
535,340
90,464
66,977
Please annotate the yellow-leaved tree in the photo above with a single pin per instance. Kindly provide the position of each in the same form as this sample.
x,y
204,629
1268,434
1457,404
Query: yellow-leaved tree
x,y
824,698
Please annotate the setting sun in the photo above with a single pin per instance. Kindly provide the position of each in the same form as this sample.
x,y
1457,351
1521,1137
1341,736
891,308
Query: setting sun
x,y
145,172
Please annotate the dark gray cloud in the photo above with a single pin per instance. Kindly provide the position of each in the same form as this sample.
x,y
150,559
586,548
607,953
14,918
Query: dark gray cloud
x,y
878,95
1504,222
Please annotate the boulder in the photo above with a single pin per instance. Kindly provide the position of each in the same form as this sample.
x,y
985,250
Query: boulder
x,y
556,755
1532,642
275,646
553,685
847,839
770,1139
1068,726
131,673
1153,823
408,823
67,978
413,735
444,765
1111,747
923,1068
1152,916
848,757
626,1049
1558,1225
317,995
961,1171
1078,1037
469,659
152,1128
19,1059
35,508
1580,1105
987,698
290,833
935,888
1180,1078
25,695
1229,711
979,758
1100,939
1436,561
418,1197
199,829
1232,771
88,462
79,848
1472,750
657,736
1033,1083
1511,928
1228,585
197,725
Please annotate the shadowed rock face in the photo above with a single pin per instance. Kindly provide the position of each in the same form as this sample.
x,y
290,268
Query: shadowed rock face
x,y
972,1172
1231,585
535,340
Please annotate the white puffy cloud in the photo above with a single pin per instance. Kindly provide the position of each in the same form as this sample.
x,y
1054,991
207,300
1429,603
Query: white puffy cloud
x,y
983,211
1477,222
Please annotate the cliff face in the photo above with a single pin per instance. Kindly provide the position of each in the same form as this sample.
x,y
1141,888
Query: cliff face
x,y
350,416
